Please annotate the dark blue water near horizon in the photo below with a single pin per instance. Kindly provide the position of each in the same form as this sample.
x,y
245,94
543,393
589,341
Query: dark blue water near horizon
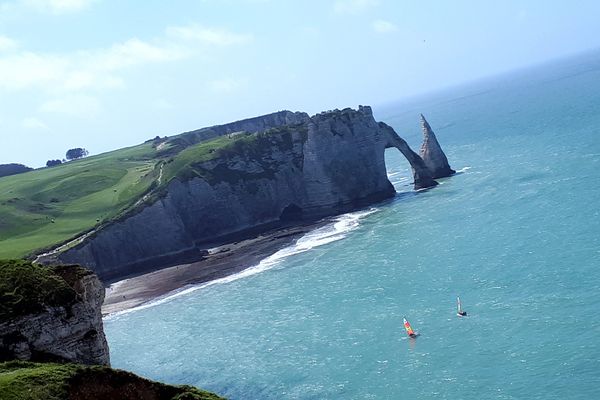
x,y
516,234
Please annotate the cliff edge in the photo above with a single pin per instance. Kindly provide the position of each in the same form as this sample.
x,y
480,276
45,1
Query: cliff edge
x,y
51,314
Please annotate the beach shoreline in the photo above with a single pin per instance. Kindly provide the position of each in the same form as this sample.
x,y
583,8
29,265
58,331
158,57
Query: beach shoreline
x,y
222,261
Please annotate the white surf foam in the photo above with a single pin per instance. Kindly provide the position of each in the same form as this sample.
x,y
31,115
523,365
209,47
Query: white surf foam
x,y
334,231
464,169
403,180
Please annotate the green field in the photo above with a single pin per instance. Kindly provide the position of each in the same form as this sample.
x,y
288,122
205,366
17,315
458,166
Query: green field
x,y
48,206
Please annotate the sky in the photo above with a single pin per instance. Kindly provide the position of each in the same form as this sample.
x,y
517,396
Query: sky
x,y
105,74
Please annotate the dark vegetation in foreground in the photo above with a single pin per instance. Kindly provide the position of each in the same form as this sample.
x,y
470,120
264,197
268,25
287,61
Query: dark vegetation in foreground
x,y
13,169
27,288
22,380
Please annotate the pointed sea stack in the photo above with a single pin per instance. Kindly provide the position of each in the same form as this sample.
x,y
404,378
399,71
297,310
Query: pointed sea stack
x,y
432,153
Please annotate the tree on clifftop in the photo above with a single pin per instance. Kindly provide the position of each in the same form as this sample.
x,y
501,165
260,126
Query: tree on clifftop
x,y
74,154
13,169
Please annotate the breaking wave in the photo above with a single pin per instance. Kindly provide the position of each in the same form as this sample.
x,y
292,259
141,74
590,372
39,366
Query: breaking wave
x,y
334,231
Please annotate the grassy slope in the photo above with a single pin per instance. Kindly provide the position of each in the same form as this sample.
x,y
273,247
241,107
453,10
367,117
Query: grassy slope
x,y
76,196
21,380
189,162
179,165
49,206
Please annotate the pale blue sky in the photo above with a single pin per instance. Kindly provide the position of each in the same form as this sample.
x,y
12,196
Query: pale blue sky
x,y
106,74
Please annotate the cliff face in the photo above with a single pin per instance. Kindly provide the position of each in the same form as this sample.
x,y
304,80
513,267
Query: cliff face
x,y
432,154
51,314
329,163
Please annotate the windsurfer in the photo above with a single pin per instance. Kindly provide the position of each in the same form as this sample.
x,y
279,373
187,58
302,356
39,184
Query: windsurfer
x,y
459,311
409,330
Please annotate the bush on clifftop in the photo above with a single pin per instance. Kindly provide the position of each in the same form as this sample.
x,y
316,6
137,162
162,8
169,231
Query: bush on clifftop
x,y
13,169
27,288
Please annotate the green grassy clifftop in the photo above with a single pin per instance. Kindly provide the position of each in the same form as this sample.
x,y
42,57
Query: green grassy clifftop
x,y
44,208
21,380
27,288
48,206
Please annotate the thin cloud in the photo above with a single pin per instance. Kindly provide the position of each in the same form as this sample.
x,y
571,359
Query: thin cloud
x,y
27,69
206,35
33,124
90,69
162,104
98,69
71,82
7,44
383,26
353,6
225,85
57,6
76,105
131,53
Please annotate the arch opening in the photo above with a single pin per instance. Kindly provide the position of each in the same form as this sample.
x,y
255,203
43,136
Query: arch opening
x,y
398,170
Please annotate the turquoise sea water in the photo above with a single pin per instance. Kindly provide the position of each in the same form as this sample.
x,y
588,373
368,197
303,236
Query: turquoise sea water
x,y
516,234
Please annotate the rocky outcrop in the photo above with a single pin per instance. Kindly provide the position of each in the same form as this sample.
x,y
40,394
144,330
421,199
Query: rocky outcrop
x,y
326,164
51,314
432,154
421,173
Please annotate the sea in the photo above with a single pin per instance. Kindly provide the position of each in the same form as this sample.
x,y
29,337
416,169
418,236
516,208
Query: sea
x,y
515,233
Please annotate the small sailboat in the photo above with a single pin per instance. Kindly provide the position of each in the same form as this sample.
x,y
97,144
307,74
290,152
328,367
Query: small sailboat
x,y
409,330
459,311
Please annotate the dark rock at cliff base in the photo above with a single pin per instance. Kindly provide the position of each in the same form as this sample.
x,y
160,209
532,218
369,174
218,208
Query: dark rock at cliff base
x,y
432,153
51,314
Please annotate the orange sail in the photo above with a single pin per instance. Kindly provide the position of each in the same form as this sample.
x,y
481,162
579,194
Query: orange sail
x,y
409,329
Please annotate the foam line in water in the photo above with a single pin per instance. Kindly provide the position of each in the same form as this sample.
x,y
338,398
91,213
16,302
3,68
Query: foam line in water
x,y
464,169
404,180
329,233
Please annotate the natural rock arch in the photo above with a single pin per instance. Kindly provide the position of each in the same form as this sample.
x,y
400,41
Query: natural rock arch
x,y
422,175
